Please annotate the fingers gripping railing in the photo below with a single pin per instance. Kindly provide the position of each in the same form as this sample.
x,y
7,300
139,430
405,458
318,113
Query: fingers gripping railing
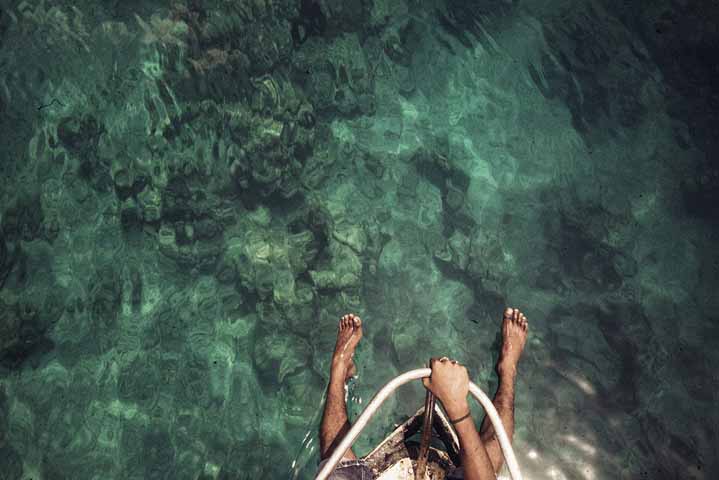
x,y
387,390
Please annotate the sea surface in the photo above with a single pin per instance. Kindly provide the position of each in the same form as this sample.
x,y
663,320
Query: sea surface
x,y
194,192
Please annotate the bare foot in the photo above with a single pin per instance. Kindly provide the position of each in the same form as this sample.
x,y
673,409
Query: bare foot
x,y
514,336
348,336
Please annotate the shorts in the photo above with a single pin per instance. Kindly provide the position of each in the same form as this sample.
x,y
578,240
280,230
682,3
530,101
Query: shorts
x,y
349,470
358,470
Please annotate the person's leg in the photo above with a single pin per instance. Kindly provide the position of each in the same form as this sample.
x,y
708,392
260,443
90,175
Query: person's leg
x,y
335,423
514,335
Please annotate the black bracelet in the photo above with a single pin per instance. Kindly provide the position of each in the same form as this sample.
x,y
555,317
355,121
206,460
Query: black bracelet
x,y
453,422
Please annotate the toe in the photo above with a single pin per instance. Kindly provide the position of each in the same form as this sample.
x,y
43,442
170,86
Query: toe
x,y
357,321
508,312
515,317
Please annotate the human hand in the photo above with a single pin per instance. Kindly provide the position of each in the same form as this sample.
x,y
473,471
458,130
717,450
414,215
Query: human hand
x,y
449,382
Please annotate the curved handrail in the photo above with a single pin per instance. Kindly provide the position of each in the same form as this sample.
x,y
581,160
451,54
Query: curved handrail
x,y
388,389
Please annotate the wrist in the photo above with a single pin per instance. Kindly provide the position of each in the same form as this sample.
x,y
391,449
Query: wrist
x,y
456,408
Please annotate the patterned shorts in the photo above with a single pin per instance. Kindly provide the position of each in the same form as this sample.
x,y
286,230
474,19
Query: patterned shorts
x,y
358,470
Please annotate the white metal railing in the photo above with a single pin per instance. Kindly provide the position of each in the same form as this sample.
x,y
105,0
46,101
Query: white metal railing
x,y
387,390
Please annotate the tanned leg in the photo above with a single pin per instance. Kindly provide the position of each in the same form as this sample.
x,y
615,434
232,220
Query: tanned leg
x,y
335,424
514,336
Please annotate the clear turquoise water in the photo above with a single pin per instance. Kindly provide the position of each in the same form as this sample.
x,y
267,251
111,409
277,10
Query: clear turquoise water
x,y
193,193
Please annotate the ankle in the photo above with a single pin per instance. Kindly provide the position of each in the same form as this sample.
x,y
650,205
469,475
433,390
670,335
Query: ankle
x,y
338,371
507,371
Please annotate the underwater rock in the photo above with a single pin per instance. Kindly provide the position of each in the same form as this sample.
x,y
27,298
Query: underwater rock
x,y
321,89
245,398
353,236
106,297
268,96
302,249
585,258
377,238
278,355
150,204
192,382
3,415
373,164
23,219
346,101
400,42
138,381
11,467
301,392
266,265
166,239
10,325
232,257
253,261
5,260
453,182
701,192
344,269
177,200
318,167
336,75
275,142
406,82
266,43
457,212
283,287
50,228
207,228
489,264
342,16
221,361
180,243
168,328
212,69
458,248
624,264
130,217
390,260
440,169
310,21
453,199
3,251
125,183
598,268
158,455
404,341
306,117
23,326
79,133
317,219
